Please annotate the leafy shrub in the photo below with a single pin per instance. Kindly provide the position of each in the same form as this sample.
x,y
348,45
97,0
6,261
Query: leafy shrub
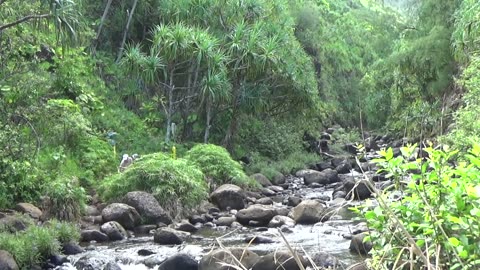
x,y
97,157
295,161
65,199
20,181
34,245
217,165
437,218
174,182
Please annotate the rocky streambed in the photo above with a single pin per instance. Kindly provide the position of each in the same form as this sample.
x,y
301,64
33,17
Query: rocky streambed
x,y
307,209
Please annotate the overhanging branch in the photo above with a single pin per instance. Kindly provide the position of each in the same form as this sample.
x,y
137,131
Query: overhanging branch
x,y
24,19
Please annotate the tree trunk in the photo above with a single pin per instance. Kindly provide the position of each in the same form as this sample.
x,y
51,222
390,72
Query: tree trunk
x,y
229,139
102,21
171,87
208,108
125,32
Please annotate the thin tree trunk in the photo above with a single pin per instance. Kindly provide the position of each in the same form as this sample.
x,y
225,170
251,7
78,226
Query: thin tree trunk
x,y
125,32
232,128
170,107
209,117
102,21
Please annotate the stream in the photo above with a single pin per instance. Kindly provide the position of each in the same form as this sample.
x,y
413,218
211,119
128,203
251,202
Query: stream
x,y
330,237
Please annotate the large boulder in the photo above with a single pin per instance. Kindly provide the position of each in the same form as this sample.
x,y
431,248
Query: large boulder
x,y
225,221
122,213
357,189
308,212
261,179
279,260
168,236
228,196
114,230
324,177
12,224
93,235
259,213
179,262
278,179
29,209
323,260
216,260
6,261
357,244
148,207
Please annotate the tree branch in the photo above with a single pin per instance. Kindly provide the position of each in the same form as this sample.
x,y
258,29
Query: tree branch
x,y
24,19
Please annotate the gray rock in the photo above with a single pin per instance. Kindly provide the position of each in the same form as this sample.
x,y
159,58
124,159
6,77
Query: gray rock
x,y
179,262
112,266
91,210
225,221
278,179
29,209
325,177
259,239
308,212
7,262
93,235
186,226
114,230
148,207
215,259
278,221
12,224
144,229
228,196
197,219
72,248
358,189
167,236
265,201
358,246
261,179
343,168
258,213
124,214
324,260
268,192
294,201
278,260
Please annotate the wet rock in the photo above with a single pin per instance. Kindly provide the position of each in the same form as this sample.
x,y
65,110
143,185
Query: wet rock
x,y
7,262
267,192
324,260
114,230
350,148
112,266
278,179
276,189
29,209
179,262
358,189
259,213
12,224
379,178
167,236
147,206
282,211
340,194
344,168
72,248
265,201
358,246
186,226
325,177
93,219
93,262
278,260
259,239
358,266
124,214
144,229
261,179
225,221
236,225
278,221
57,260
308,212
286,229
197,219
294,201
324,165
228,196
217,259
93,235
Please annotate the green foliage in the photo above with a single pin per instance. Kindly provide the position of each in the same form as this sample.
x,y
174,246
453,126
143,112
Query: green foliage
x,y
295,161
217,165
66,199
174,182
34,245
439,211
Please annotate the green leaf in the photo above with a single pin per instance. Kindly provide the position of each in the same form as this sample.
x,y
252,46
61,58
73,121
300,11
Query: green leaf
x,y
454,241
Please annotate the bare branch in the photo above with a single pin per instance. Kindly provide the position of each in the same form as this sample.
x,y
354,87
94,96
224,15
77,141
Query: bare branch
x,y
24,19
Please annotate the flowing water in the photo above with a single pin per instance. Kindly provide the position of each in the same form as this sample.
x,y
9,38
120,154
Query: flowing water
x,y
327,237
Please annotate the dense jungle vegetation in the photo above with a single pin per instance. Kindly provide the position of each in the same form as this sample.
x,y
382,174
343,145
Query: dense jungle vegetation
x,y
82,82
